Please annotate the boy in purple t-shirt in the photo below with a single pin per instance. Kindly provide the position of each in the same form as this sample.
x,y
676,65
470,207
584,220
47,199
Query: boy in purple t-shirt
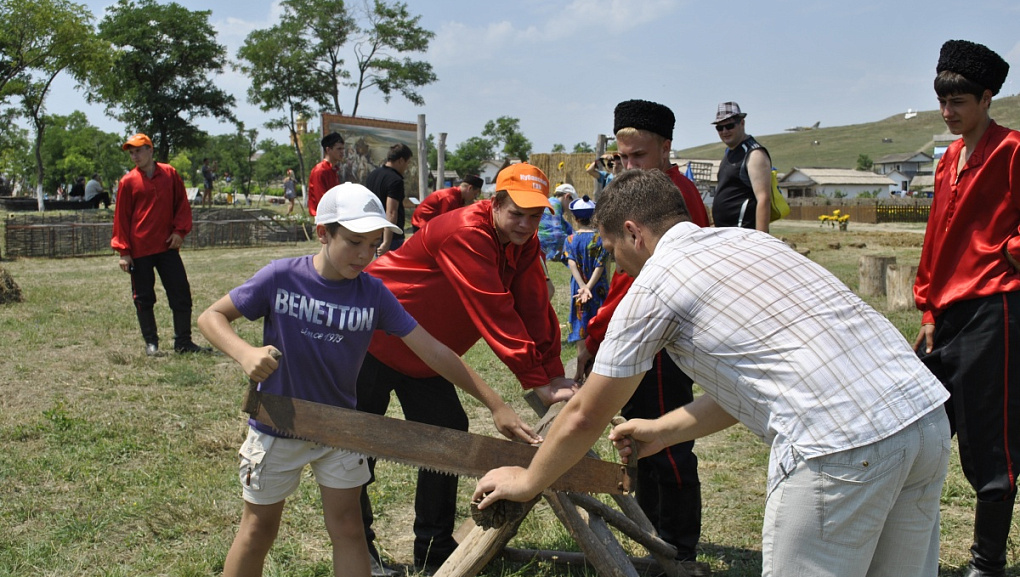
x,y
320,311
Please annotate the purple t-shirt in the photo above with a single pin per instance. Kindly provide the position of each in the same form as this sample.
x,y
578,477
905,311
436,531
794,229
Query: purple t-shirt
x,y
323,327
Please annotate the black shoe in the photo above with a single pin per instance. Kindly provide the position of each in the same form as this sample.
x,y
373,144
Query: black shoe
x,y
152,350
380,570
190,347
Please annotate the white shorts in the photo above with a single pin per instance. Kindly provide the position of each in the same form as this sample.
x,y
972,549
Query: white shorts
x,y
271,467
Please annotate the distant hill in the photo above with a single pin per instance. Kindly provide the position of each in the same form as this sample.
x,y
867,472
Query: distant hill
x,y
839,146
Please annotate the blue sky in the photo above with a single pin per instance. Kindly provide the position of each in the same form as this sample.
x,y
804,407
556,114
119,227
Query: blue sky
x,y
561,67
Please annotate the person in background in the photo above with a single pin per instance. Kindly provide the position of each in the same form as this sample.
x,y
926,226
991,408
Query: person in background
x,y
445,200
387,182
289,190
151,218
324,175
589,266
605,168
94,193
968,290
208,176
554,228
743,197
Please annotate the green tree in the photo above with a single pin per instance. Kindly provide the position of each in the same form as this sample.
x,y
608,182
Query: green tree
x,y
864,162
505,135
583,147
392,32
272,165
558,148
72,147
469,155
161,78
277,60
382,37
324,27
47,38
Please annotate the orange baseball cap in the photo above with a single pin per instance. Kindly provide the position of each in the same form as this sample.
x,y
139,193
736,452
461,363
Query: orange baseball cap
x,y
527,185
136,141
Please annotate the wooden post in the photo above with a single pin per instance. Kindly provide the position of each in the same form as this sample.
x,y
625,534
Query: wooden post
x,y
871,274
440,163
899,286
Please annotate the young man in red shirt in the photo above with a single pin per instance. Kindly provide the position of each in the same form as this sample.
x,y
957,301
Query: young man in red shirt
x,y
471,273
968,289
445,200
668,487
151,218
324,175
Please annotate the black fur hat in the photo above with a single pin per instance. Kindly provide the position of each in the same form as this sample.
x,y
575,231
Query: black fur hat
x,y
975,62
644,115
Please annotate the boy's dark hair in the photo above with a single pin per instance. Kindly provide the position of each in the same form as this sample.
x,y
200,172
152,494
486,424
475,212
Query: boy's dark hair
x,y
647,197
948,83
398,152
331,140
583,221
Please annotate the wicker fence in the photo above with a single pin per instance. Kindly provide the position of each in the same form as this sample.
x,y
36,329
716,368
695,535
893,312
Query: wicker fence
x,y
88,233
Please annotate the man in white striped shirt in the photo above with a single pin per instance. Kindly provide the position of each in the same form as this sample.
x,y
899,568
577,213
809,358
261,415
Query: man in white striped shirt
x,y
860,440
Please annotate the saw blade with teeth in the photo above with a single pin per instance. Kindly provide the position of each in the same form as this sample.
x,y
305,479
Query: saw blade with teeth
x,y
420,445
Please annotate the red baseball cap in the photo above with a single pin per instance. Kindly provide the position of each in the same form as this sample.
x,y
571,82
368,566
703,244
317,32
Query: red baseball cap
x,y
527,185
136,141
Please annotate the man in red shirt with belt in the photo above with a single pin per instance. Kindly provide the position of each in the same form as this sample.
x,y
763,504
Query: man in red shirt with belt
x,y
668,487
324,175
151,218
471,273
442,201
968,289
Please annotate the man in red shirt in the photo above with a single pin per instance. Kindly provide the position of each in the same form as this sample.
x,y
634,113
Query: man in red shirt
x,y
324,175
471,273
445,200
668,487
968,290
151,218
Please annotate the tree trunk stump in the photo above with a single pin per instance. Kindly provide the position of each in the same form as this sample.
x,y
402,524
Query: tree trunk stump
x,y
871,274
899,286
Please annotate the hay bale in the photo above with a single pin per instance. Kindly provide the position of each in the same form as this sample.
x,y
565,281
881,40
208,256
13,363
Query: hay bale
x,y
10,292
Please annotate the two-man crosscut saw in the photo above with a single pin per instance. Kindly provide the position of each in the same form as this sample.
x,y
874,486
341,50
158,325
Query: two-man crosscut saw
x,y
418,444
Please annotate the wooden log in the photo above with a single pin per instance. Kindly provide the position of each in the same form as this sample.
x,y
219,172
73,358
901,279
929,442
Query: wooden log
x,y
871,274
643,565
475,551
899,286
600,547
628,527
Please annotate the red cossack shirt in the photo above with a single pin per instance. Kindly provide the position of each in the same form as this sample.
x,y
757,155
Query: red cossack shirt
x,y
461,284
437,203
148,211
322,178
975,214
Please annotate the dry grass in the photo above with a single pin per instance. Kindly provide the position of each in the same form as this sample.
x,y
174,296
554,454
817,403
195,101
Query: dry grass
x,y
120,465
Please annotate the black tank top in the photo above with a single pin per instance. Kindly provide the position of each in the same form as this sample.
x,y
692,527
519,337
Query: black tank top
x,y
735,204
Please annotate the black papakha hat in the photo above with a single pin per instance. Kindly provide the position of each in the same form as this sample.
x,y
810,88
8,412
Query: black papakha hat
x,y
473,180
644,115
975,62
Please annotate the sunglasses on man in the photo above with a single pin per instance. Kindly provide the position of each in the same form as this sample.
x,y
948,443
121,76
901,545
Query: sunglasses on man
x,y
727,126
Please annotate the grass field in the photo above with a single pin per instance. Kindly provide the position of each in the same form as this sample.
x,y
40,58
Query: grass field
x,y
115,464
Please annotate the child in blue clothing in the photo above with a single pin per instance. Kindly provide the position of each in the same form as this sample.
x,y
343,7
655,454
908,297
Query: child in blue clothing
x,y
320,312
588,263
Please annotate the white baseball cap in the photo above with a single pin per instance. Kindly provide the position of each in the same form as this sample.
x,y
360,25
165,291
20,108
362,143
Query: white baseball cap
x,y
354,207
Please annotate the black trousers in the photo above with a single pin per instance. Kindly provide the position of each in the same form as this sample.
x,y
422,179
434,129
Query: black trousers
x,y
178,292
976,355
433,401
668,488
